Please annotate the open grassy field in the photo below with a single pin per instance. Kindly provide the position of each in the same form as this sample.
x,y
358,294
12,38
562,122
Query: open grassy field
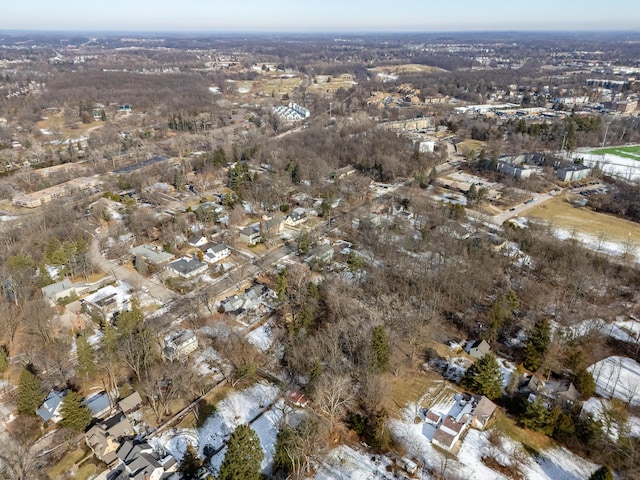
x,y
407,68
278,86
559,212
56,125
632,152
337,82
469,145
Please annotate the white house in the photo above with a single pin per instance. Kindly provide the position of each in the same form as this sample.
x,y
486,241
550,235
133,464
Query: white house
x,y
212,253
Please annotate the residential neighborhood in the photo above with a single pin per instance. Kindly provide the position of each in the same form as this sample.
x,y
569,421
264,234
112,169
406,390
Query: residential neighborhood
x,y
319,256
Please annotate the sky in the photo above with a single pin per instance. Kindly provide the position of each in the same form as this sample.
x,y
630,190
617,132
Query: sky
x,y
319,15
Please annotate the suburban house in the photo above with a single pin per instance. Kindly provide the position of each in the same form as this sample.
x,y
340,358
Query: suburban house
x,y
450,431
251,299
552,392
482,413
187,267
179,345
251,235
105,437
138,461
62,289
131,403
212,253
477,349
99,404
49,411
198,240
272,225
296,218
447,420
109,300
152,254
322,254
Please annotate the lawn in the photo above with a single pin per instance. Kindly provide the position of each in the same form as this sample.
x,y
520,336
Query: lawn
x,y
563,214
532,441
410,387
632,152
64,465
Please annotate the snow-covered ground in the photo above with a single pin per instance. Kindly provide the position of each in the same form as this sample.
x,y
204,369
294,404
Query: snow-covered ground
x,y
624,329
617,377
600,410
591,242
345,463
554,464
209,363
236,409
627,168
261,337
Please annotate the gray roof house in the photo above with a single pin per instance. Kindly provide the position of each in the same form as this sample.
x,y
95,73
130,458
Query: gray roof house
x,y
131,403
98,404
212,253
50,408
477,349
179,345
105,438
138,461
187,267
61,289
320,254
251,235
152,254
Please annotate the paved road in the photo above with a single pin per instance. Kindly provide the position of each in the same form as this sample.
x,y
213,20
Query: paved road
x,y
133,278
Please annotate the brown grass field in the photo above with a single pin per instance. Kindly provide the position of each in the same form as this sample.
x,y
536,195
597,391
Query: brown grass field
x,y
559,212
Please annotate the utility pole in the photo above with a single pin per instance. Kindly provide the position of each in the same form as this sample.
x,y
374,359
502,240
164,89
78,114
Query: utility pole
x,y
606,130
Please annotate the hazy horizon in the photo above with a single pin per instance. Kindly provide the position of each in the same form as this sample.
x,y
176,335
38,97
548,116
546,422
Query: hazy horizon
x,y
333,16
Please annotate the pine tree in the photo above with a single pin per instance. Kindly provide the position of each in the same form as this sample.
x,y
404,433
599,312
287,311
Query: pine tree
x,y
86,357
244,456
4,359
484,377
603,473
29,393
585,383
75,413
537,344
190,465
379,349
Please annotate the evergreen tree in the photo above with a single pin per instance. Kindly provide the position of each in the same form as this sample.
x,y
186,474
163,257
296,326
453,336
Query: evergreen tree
x,y
244,456
539,418
484,377
537,344
603,473
190,465
282,459
379,349
29,393
4,359
75,413
585,383
86,357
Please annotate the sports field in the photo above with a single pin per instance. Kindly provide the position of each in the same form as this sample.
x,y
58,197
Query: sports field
x,y
632,152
